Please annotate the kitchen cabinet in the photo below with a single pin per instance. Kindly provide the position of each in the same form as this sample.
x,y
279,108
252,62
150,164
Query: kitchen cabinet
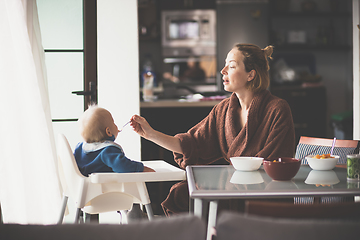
x,y
187,4
313,40
149,21
310,25
308,107
171,117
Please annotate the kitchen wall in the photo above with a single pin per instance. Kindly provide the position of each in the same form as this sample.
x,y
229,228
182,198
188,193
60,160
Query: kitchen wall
x,y
356,67
118,90
239,23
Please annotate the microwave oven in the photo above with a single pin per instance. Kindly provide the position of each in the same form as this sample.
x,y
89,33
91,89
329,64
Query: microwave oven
x,y
188,33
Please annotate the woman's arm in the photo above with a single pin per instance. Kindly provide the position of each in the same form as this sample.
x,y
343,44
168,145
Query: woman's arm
x,y
142,127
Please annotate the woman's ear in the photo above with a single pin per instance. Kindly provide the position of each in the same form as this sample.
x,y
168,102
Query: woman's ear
x,y
108,132
251,76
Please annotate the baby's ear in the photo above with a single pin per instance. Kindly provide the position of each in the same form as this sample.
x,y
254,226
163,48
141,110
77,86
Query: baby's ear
x,y
108,132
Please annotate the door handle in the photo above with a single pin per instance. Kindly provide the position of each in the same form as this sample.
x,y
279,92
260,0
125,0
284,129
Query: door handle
x,y
92,93
84,93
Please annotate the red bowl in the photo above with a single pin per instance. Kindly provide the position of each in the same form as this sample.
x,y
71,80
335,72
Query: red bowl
x,y
283,169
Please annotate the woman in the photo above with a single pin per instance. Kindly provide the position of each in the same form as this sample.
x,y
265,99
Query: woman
x,y
251,122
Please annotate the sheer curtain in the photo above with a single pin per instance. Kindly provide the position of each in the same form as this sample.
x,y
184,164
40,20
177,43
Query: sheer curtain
x,y
29,187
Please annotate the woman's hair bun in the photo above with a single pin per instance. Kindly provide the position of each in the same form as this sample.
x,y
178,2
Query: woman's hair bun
x,y
268,51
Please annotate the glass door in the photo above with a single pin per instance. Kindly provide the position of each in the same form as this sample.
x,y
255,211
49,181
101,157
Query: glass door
x,y
62,32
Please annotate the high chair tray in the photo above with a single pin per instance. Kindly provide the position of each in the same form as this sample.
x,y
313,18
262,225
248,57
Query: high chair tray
x,y
163,172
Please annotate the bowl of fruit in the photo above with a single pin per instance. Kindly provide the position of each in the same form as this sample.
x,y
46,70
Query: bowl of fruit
x,y
322,162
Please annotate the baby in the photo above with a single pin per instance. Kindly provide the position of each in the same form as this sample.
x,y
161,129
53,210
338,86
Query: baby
x,y
99,152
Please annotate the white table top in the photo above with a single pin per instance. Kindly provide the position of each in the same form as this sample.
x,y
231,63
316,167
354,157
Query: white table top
x,y
163,172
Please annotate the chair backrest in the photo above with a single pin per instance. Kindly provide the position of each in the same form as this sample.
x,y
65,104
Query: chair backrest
x,y
179,227
233,226
71,179
312,146
345,210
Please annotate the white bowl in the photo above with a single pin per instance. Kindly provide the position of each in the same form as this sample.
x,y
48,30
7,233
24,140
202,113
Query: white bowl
x,y
322,164
246,163
241,177
322,178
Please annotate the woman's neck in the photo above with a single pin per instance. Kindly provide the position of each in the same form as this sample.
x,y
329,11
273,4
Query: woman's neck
x,y
245,99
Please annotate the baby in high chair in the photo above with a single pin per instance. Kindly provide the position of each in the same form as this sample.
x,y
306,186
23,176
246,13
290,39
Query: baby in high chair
x,y
99,152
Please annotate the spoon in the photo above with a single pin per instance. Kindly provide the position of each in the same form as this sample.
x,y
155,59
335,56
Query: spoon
x,y
333,145
124,126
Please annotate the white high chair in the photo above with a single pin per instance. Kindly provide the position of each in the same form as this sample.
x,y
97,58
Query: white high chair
x,y
95,198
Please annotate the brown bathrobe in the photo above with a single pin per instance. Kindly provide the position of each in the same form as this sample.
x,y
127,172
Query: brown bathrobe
x,y
269,133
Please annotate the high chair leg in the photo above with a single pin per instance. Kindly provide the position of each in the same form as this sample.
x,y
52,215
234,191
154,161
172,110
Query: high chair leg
x,y
123,214
149,211
63,208
77,215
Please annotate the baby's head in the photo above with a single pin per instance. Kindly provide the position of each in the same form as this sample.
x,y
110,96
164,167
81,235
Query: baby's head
x,y
97,124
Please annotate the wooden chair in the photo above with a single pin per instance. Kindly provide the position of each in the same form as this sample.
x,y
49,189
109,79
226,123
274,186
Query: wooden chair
x,y
312,146
346,210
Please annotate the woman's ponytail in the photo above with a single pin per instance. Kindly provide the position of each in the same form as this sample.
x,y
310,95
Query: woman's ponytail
x,y
268,51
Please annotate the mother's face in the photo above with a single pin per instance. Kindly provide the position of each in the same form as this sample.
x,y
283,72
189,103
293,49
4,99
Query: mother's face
x,y
234,74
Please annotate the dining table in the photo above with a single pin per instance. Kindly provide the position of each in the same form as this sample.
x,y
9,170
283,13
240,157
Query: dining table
x,y
210,183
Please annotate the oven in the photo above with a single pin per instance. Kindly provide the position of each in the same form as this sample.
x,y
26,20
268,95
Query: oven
x,y
188,33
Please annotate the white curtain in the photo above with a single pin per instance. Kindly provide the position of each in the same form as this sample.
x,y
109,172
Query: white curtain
x,y
29,187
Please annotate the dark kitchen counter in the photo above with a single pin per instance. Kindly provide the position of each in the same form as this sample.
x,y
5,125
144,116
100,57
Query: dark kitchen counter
x,y
178,103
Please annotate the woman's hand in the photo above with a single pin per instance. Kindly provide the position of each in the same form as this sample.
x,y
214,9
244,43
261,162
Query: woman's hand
x,y
141,126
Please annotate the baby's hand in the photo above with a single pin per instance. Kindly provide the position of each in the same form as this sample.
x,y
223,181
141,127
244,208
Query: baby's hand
x,y
147,169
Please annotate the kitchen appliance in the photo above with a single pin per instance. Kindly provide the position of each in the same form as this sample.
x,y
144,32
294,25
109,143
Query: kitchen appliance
x,y
188,33
189,49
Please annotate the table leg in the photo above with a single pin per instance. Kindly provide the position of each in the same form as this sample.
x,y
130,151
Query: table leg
x,y
213,207
198,207
191,205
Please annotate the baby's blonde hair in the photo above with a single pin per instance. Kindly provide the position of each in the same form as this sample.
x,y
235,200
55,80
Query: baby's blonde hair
x,y
93,124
